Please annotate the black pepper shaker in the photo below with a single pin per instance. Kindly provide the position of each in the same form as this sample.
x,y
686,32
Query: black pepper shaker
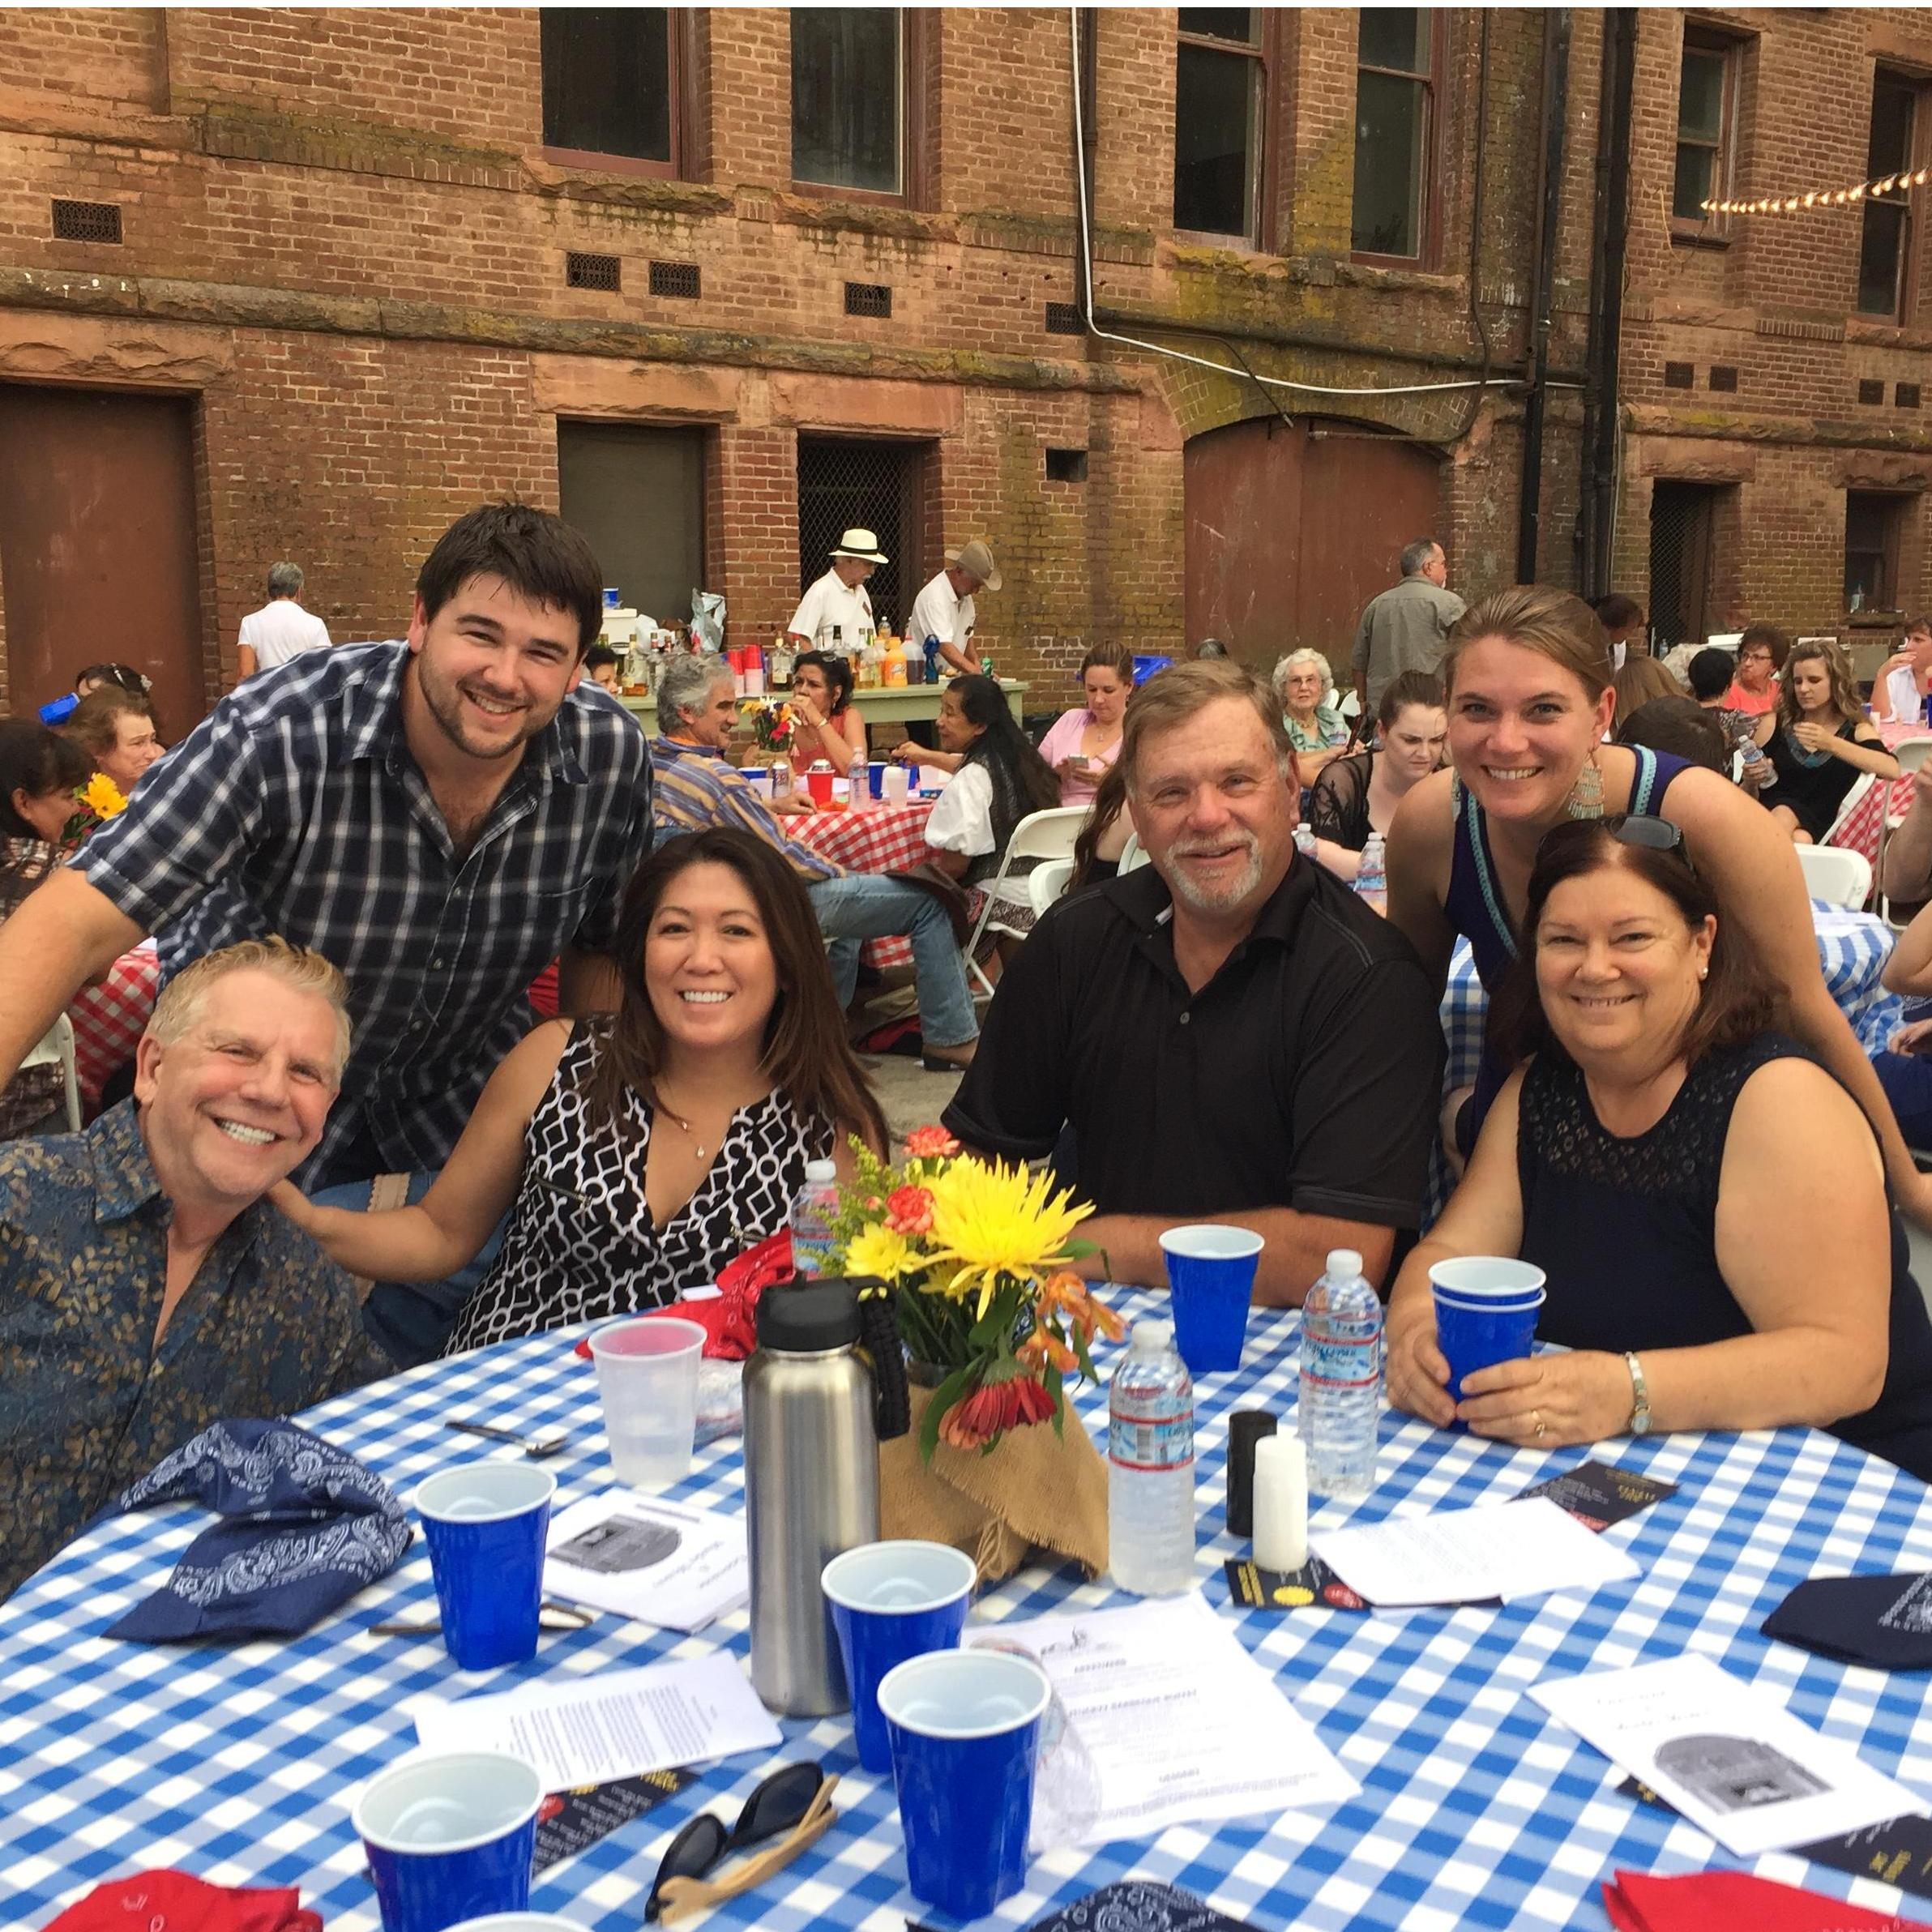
x,y
1245,1428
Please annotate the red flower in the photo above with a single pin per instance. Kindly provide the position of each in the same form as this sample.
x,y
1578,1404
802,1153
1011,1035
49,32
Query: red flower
x,y
982,1416
909,1211
930,1143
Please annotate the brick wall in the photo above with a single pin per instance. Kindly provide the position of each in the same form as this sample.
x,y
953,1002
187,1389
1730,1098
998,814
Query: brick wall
x,y
341,232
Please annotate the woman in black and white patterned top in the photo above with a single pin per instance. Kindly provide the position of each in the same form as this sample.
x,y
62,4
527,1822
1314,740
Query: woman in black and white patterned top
x,y
639,1154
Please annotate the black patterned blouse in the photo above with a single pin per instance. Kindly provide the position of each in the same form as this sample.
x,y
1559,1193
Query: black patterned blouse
x,y
88,1403
582,1242
33,1093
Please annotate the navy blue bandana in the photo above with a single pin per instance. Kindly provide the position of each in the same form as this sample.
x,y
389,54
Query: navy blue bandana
x,y
307,1527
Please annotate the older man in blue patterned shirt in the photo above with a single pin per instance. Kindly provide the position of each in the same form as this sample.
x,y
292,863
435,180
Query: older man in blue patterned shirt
x,y
146,1290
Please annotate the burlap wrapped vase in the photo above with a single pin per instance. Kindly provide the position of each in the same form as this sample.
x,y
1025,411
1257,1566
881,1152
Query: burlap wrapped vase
x,y
1035,1489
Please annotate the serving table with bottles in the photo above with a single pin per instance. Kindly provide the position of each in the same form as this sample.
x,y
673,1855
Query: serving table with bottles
x,y
239,1764
894,704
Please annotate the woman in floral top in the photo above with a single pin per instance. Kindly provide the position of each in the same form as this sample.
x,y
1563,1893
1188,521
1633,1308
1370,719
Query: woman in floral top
x,y
1305,689
40,775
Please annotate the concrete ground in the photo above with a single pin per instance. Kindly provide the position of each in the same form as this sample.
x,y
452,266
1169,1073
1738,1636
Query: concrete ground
x,y
911,1096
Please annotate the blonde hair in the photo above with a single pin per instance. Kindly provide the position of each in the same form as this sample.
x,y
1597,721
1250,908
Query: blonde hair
x,y
1172,696
1838,669
1305,655
1554,623
179,1004
1640,679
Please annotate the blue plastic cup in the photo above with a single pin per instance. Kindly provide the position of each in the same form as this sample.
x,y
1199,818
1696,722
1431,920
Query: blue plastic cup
x,y
875,778
486,1523
450,1836
1211,1281
890,1602
965,1730
1473,1335
1492,1280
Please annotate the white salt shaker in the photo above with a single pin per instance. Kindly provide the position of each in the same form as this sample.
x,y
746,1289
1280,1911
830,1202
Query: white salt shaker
x,y
1280,1502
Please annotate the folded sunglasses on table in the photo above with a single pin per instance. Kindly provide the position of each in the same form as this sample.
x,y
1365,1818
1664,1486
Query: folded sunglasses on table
x,y
793,1805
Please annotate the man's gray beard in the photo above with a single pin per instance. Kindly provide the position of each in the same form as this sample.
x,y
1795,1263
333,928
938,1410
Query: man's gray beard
x,y
1179,884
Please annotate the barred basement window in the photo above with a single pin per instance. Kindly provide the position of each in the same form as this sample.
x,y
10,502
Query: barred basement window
x,y
1905,394
1870,391
87,221
1678,375
868,298
1724,378
593,272
675,278
1066,466
1063,318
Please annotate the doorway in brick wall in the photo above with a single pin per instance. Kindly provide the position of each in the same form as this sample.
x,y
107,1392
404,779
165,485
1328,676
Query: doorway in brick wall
x,y
875,485
637,494
99,554
1683,521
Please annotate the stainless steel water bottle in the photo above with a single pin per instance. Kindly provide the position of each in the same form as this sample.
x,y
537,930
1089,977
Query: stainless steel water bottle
x,y
811,1479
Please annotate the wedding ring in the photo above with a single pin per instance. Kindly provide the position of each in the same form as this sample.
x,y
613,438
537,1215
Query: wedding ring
x,y
1537,1416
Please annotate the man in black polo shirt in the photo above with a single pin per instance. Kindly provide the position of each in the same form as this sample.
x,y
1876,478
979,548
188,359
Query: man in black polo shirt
x,y
1231,1034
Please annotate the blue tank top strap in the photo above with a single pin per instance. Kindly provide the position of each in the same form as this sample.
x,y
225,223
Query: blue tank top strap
x,y
1655,771
1474,901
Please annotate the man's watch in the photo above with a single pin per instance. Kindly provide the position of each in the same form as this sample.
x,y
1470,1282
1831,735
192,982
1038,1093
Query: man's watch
x,y
1639,1415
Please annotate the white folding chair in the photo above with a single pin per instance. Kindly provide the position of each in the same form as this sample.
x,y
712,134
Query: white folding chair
x,y
56,1046
1048,834
1854,802
1046,882
1132,858
1912,753
1838,876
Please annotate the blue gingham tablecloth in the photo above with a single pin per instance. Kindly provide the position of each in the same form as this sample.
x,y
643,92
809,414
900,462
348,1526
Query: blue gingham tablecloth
x,y
1477,1809
1852,948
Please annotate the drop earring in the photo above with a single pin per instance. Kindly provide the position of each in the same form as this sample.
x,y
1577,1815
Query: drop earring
x,y
1586,796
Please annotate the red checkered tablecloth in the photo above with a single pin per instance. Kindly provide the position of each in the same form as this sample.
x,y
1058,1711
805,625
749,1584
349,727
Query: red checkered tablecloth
x,y
882,838
110,1019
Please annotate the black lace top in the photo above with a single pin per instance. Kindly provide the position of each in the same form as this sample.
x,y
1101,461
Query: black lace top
x,y
1626,1230
1338,801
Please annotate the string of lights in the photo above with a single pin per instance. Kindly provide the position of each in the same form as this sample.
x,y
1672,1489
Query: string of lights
x,y
1823,198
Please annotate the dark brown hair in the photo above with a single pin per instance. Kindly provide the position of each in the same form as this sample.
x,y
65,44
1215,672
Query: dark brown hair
x,y
94,723
1738,1001
35,761
1769,635
837,672
805,1049
1683,728
1110,798
1640,679
538,555
1616,610
1116,658
1407,688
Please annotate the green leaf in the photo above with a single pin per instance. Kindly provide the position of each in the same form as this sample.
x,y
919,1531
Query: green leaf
x,y
948,1392
1051,1382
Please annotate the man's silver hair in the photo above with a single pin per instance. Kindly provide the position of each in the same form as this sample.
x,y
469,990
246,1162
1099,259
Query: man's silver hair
x,y
284,579
1416,556
688,685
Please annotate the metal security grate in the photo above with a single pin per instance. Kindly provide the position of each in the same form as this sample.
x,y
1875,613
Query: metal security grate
x,y
844,481
87,221
1679,375
1871,390
868,298
1724,378
679,279
1063,318
1905,394
1066,466
593,272
1680,518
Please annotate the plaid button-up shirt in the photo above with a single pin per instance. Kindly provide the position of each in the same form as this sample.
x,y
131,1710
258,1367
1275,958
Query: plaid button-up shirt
x,y
295,807
698,786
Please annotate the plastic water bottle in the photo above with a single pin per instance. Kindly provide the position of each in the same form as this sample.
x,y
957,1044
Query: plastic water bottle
x,y
1150,1467
1340,1398
1371,875
810,1218
932,659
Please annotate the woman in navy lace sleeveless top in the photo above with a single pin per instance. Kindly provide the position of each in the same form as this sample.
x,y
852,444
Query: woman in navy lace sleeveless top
x,y
1527,672
1705,1201
637,1154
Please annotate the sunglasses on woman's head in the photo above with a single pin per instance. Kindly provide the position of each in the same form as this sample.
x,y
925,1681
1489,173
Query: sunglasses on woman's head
x,y
794,1803
1652,835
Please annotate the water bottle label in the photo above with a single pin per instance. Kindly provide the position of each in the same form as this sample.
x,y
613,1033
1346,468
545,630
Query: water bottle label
x,y
1152,1441
1347,1356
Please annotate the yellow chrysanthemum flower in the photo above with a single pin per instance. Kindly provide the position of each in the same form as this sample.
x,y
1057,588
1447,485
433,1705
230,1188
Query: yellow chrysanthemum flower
x,y
876,1249
102,796
997,1220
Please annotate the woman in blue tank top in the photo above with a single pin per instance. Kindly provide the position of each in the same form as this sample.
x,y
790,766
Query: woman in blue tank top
x,y
1527,671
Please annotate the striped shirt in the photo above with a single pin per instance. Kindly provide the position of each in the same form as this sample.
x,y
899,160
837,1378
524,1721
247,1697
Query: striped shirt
x,y
696,787
295,807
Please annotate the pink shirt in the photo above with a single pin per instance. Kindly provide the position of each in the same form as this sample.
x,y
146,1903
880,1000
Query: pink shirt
x,y
1063,741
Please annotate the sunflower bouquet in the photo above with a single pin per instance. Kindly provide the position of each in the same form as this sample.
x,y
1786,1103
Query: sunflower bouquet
x,y
97,801
773,723
978,1254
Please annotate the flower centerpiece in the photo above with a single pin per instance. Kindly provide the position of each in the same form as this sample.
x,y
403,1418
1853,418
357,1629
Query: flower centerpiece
x,y
97,801
978,1254
773,723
